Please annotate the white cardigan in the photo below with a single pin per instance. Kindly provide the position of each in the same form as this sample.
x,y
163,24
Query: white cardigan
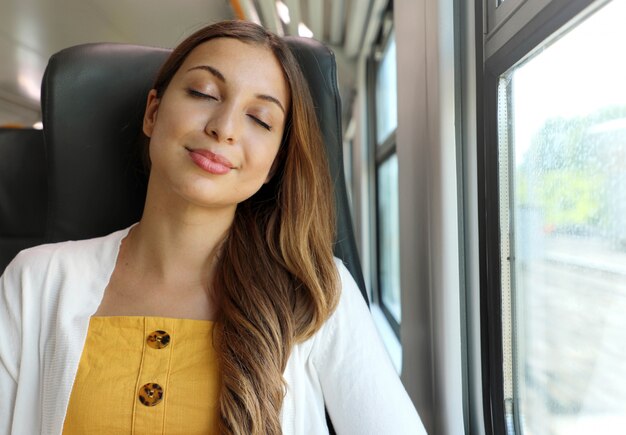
x,y
48,294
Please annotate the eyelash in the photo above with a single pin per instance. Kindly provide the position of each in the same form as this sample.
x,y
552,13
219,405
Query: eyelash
x,y
197,94
261,123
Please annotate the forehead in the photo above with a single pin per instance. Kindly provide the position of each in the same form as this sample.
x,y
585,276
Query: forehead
x,y
241,63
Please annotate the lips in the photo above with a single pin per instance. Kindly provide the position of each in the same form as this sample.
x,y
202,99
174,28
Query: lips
x,y
210,162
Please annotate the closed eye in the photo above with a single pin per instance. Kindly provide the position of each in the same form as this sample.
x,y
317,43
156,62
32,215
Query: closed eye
x,y
261,123
197,94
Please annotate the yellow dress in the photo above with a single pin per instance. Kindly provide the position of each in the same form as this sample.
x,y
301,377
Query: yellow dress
x,y
145,375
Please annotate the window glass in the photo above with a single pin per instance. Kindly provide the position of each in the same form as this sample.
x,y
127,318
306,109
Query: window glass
x,y
563,127
386,93
389,236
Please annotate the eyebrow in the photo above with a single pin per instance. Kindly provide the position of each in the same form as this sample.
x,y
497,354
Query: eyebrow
x,y
215,72
271,100
210,69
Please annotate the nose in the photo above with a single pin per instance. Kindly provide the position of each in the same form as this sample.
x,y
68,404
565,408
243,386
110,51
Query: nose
x,y
222,125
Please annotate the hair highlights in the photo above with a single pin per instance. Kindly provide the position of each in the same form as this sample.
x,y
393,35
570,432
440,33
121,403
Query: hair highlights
x,y
275,278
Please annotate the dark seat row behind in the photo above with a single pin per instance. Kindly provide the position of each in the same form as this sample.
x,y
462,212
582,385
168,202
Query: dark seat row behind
x,y
23,191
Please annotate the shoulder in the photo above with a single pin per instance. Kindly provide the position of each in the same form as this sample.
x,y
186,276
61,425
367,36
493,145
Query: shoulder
x,y
349,315
57,257
65,252
360,386
32,263
351,301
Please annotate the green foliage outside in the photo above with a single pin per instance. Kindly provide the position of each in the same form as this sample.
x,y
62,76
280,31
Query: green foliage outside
x,y
566,171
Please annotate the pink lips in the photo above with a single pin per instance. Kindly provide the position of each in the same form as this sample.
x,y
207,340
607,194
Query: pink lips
x,y
210,162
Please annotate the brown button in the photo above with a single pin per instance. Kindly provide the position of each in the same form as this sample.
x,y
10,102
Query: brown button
x,y
150,394
158,339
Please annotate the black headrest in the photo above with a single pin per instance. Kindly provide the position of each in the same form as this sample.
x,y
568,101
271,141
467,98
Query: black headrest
x,y
93,100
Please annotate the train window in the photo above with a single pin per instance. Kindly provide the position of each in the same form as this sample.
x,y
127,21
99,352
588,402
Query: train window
x,y
385,120
386,93
562,197
389,236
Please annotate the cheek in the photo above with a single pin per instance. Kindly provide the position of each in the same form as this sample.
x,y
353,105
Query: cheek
x,y
268,161
260,153
177,118
160,134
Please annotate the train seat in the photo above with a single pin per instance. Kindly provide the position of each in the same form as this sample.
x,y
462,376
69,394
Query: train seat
x,y
23,196
93,99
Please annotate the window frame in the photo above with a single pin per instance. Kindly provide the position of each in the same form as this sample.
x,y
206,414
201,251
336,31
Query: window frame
x,y
378,153
509,38
388,151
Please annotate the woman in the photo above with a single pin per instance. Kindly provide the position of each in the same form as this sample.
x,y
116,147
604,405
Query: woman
x,y
222,310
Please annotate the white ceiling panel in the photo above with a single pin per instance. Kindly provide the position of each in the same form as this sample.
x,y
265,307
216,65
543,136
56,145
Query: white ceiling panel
x,y
32,30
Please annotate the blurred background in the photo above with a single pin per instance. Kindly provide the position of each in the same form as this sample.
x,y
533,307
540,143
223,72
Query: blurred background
x,y
32,30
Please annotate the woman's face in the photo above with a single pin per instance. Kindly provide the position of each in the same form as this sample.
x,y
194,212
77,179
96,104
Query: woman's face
x,y
216,130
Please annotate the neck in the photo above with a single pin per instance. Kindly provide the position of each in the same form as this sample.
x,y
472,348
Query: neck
x,y
177,242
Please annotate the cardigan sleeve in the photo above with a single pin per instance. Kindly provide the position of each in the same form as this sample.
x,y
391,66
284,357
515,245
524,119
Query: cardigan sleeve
x,y
10,344
362,391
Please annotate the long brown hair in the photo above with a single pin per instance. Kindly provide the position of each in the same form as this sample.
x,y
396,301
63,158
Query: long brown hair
x,y
275,279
